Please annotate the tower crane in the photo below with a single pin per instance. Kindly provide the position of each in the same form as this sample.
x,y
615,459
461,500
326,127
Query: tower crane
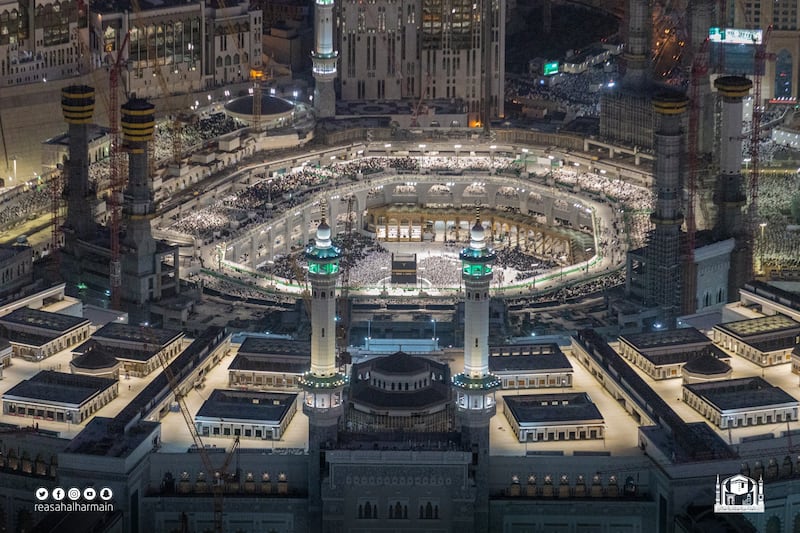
x,y
699,72
215,476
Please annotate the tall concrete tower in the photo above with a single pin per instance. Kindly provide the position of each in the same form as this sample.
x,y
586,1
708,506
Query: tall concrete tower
x,y
138,245
663,253
729,189
637,47
475,387
324,59
323,383
77,104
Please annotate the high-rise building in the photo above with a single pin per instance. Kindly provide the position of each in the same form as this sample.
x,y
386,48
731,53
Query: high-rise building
x,y
423,50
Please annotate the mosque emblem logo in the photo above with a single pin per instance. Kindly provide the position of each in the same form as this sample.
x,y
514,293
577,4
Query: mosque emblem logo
x,y
739,494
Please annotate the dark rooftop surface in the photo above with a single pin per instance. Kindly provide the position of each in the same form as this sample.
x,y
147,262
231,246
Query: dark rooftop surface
x,y
99,437
553,361
437,392
61,387
759,326
265,346
4,344
55,322
115,331
565,407
776,294
265,363
684,356
270,105
95,358
741,393
660,339
401,363
184,362
247,405
707,364
688,442
29,339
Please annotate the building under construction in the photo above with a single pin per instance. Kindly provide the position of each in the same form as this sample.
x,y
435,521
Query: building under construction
x,y
149,269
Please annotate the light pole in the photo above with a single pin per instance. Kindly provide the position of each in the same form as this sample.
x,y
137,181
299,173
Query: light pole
x,y
525,155
763,245
457,148
387,147
422,155
434,333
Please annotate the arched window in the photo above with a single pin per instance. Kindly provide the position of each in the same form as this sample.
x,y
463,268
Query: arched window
x,y
235,59
367,510
429,510
219,61
227,61
398,510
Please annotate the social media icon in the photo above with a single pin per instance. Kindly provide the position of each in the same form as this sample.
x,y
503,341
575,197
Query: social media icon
x,y
106,494
58,494
74,493
42,494
89,493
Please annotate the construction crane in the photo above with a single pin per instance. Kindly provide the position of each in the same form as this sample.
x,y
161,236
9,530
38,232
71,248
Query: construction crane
x,y
423,92
759,65
215,476
699,73
115,198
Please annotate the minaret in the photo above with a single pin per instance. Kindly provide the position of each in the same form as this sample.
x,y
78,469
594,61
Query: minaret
x,y
139,247
729,190
475,387
637,46
323,383
77,104
324,59
663,252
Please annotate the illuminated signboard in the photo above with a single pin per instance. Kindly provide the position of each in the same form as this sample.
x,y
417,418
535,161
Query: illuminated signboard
x,y
550,68
734,36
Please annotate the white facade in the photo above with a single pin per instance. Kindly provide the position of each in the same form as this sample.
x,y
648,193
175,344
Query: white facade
x,y
420,49
194,47
52,51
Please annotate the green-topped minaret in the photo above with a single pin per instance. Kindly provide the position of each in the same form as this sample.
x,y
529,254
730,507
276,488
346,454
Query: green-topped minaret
x,y
323,383
475,387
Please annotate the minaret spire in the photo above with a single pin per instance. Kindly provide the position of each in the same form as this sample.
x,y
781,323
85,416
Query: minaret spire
x,y
323,383
475,387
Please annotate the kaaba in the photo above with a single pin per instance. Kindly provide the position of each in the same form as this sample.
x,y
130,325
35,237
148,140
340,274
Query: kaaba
x,y
404,269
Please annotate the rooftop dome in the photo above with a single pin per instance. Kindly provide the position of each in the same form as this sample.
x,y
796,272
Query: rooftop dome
x,y
477,235
323,235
